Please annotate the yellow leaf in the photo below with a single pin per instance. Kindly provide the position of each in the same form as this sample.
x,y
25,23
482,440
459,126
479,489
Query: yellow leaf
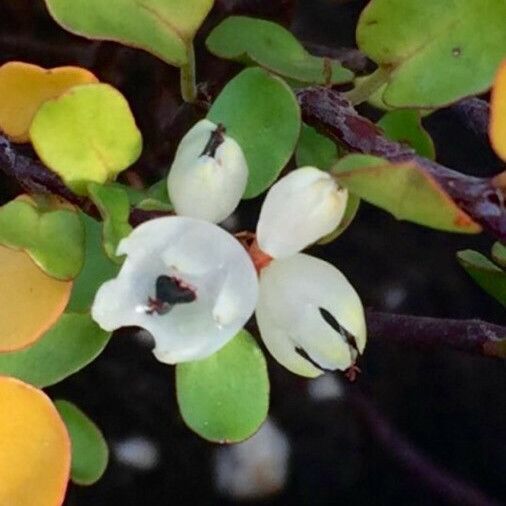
x,y
30,301
497,128
25,87
35,447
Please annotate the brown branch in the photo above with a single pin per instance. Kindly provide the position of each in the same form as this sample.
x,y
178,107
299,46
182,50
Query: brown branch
x,y
329,112
471,336
474,114
422,470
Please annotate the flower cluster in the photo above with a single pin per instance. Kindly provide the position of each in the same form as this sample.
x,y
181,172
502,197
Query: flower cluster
x,y
193,285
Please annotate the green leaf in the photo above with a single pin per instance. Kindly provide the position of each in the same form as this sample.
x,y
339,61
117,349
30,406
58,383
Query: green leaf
x,y
486,274
350,212
438,51
97,268
271,46
90,454
114,207
86,135
316,150
404,190
52,236
499,254
404,125
71,344
225,398
261,113
165,28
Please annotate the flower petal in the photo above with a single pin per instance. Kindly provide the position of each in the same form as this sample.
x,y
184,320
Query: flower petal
x,y
299,209
202,257
210,185
293,293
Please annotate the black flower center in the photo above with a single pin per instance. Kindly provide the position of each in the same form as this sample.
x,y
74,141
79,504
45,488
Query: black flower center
x,y
169,292
214,141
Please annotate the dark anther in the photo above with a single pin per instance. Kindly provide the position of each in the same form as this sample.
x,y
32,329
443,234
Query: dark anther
x,y
214,141
169,292
350,338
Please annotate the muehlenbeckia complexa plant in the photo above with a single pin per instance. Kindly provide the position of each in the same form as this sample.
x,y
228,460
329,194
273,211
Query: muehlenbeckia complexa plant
x,y
83,253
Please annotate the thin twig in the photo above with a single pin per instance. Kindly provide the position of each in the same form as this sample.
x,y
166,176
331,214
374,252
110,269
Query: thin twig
x,y
471,336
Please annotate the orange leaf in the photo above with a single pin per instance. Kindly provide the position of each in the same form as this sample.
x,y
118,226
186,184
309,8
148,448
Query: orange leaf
x,y
25,87
35,447
497,128
30,300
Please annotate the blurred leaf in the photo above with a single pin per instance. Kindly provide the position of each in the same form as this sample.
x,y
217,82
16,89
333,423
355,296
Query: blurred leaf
x,y
497,128
404,125
486,274
156,198
403,189
71,344
114,207
163,27
261,113
349,215
86,135
432,47
225,398
97,268
53,236
315,150
35,456
90,454
30,300
25,87
499,254
275,48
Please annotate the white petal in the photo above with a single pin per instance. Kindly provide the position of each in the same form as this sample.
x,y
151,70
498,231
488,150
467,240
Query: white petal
x,y
203,186
292,291
299,209
200,255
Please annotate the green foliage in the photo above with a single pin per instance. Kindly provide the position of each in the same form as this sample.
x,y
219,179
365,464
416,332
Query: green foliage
x,y
165,28
97,268
86,135
71,344
499,254
269,45
52,236
225,398
114,206
404,190
261,113
486,274
315,149
405,126
90,454
437,52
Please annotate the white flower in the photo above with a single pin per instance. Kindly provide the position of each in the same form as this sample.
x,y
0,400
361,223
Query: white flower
x,y
209,174
310,317
188,282
299,209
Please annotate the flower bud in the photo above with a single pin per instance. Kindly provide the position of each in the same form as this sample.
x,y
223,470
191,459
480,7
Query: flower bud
x,y
310,317
186,281
299,209
209,174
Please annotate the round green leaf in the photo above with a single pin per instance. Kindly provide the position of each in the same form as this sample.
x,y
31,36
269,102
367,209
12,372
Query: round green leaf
x,y
315,150
71,344
52,236
90,454
405,125
438,51
86,135
97,268
405,190
485,273
261,113
225,398
499,254
163,27
271,46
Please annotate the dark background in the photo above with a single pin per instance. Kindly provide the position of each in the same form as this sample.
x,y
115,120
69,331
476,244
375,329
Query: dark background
x,y
450,405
